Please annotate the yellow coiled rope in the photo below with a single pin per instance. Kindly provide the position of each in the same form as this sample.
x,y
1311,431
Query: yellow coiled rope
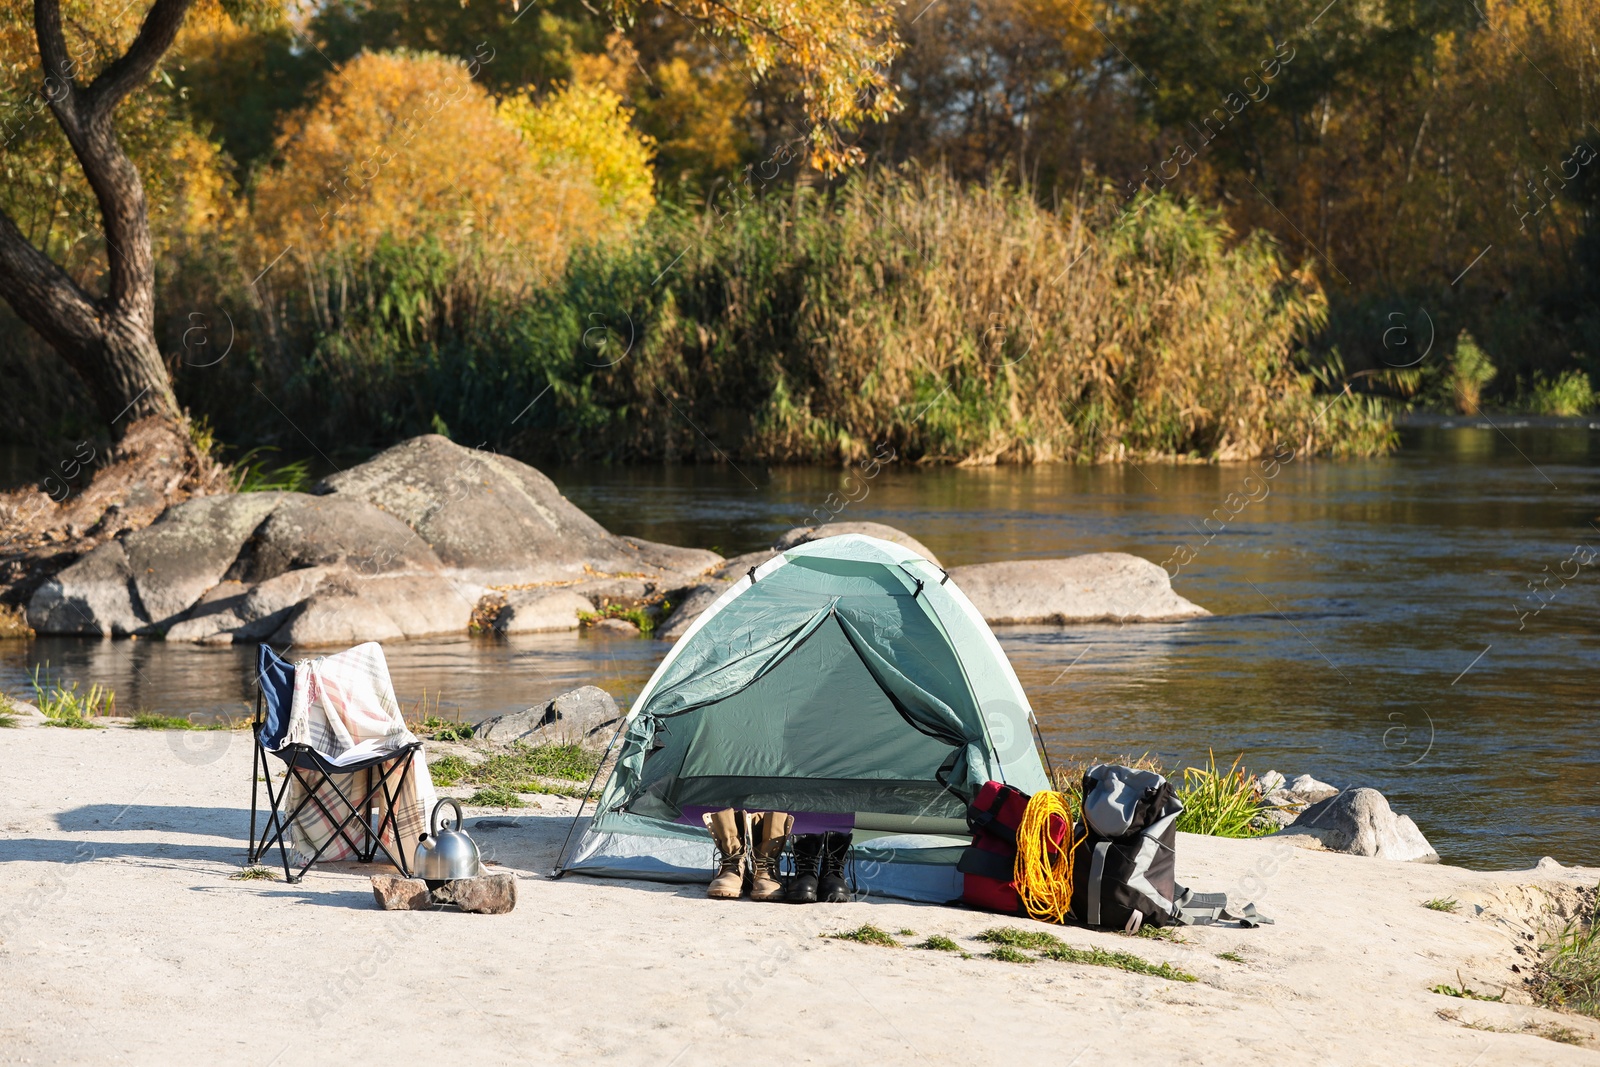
x,y
1043,874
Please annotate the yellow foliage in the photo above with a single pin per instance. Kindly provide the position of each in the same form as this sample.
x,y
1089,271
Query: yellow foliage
x,y
839,51
407,147
44,191
585,129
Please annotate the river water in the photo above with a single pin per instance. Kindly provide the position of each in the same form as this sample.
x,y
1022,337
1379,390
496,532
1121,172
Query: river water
x,y
1374,620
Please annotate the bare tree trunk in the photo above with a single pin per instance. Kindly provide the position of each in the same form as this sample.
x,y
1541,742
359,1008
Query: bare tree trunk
x,y
109,341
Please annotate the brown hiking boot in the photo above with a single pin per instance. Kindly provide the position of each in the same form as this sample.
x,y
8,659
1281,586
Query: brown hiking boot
x,y
727,833
769,831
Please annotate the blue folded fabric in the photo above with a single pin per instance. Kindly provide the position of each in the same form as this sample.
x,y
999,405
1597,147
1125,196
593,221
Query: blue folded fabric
x,y
276,676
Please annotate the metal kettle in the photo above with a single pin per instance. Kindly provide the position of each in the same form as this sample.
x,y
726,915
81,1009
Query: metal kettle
x,y
443,855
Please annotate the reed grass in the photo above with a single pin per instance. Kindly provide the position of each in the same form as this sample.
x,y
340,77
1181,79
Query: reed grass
x,y
68,706
1219,803
959,323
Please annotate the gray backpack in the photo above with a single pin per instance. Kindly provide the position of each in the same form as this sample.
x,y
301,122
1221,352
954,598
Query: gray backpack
x,y
1124,869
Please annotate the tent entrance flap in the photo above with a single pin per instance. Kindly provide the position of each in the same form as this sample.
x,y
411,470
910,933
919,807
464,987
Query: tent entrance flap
x,y
815,732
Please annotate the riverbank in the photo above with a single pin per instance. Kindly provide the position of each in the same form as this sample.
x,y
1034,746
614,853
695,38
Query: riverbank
x,y
128,939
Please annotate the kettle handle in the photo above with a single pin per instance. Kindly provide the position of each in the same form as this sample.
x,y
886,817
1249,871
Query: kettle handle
x,y
433,823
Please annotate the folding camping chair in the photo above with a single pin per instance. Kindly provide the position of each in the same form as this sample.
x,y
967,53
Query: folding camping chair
x,y
309,769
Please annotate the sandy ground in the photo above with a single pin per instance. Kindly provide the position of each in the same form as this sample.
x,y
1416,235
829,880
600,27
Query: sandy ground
x,y
123,939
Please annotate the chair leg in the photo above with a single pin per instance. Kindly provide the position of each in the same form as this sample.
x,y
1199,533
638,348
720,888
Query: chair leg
x,y
251,853
277,818
389,821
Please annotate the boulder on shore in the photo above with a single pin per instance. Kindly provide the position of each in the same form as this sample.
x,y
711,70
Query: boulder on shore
x,y
1098,587
586,715
400,546
1360,822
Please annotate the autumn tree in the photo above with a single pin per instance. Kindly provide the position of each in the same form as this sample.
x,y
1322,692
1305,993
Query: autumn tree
x,y
839,48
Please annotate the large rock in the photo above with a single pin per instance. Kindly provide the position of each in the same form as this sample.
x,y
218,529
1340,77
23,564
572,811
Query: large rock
x,y
687,606
309,531
146,580
802,534
1360,822
537,611
400,546
347,610
587,715
189,548
93,596
234,612
496,521
1099,587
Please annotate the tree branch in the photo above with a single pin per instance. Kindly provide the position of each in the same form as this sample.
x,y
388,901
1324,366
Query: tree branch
x,y
130,70
43,295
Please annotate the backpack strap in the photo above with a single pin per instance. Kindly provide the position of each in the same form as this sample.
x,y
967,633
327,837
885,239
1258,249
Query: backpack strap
x,y
987,820
1097,873
1208,909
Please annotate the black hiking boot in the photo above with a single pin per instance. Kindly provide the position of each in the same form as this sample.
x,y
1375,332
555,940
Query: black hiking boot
x,y
807,860
832,886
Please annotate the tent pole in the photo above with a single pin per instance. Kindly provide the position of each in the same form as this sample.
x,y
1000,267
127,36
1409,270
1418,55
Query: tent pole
x,y
1044,749
562,855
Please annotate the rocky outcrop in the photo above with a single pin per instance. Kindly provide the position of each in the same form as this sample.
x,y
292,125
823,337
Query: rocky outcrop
x,y
587,715
1099,587
1104,586
347,610
537,611
432,538
1360,822
495,521
688,607
401,546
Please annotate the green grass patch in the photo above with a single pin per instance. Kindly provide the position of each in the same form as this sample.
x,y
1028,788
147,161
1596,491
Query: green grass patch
x,y
1014,937
1231,957
939,943
439,729
448,770
70,707
496,796
640,617
1446,904
1161,933
526,762
1007,954
903,932
1219,803
258,873
1463,991
8,713
1569,975
249,475
866,934
146,720
1122,961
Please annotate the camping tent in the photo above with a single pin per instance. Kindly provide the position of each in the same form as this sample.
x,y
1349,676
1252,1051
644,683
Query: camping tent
x,y
847,681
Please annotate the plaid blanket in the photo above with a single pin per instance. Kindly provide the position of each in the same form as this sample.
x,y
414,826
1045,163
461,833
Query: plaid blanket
x,y
344,707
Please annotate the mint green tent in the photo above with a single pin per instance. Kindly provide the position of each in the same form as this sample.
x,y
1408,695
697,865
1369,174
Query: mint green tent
x,y
847,681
